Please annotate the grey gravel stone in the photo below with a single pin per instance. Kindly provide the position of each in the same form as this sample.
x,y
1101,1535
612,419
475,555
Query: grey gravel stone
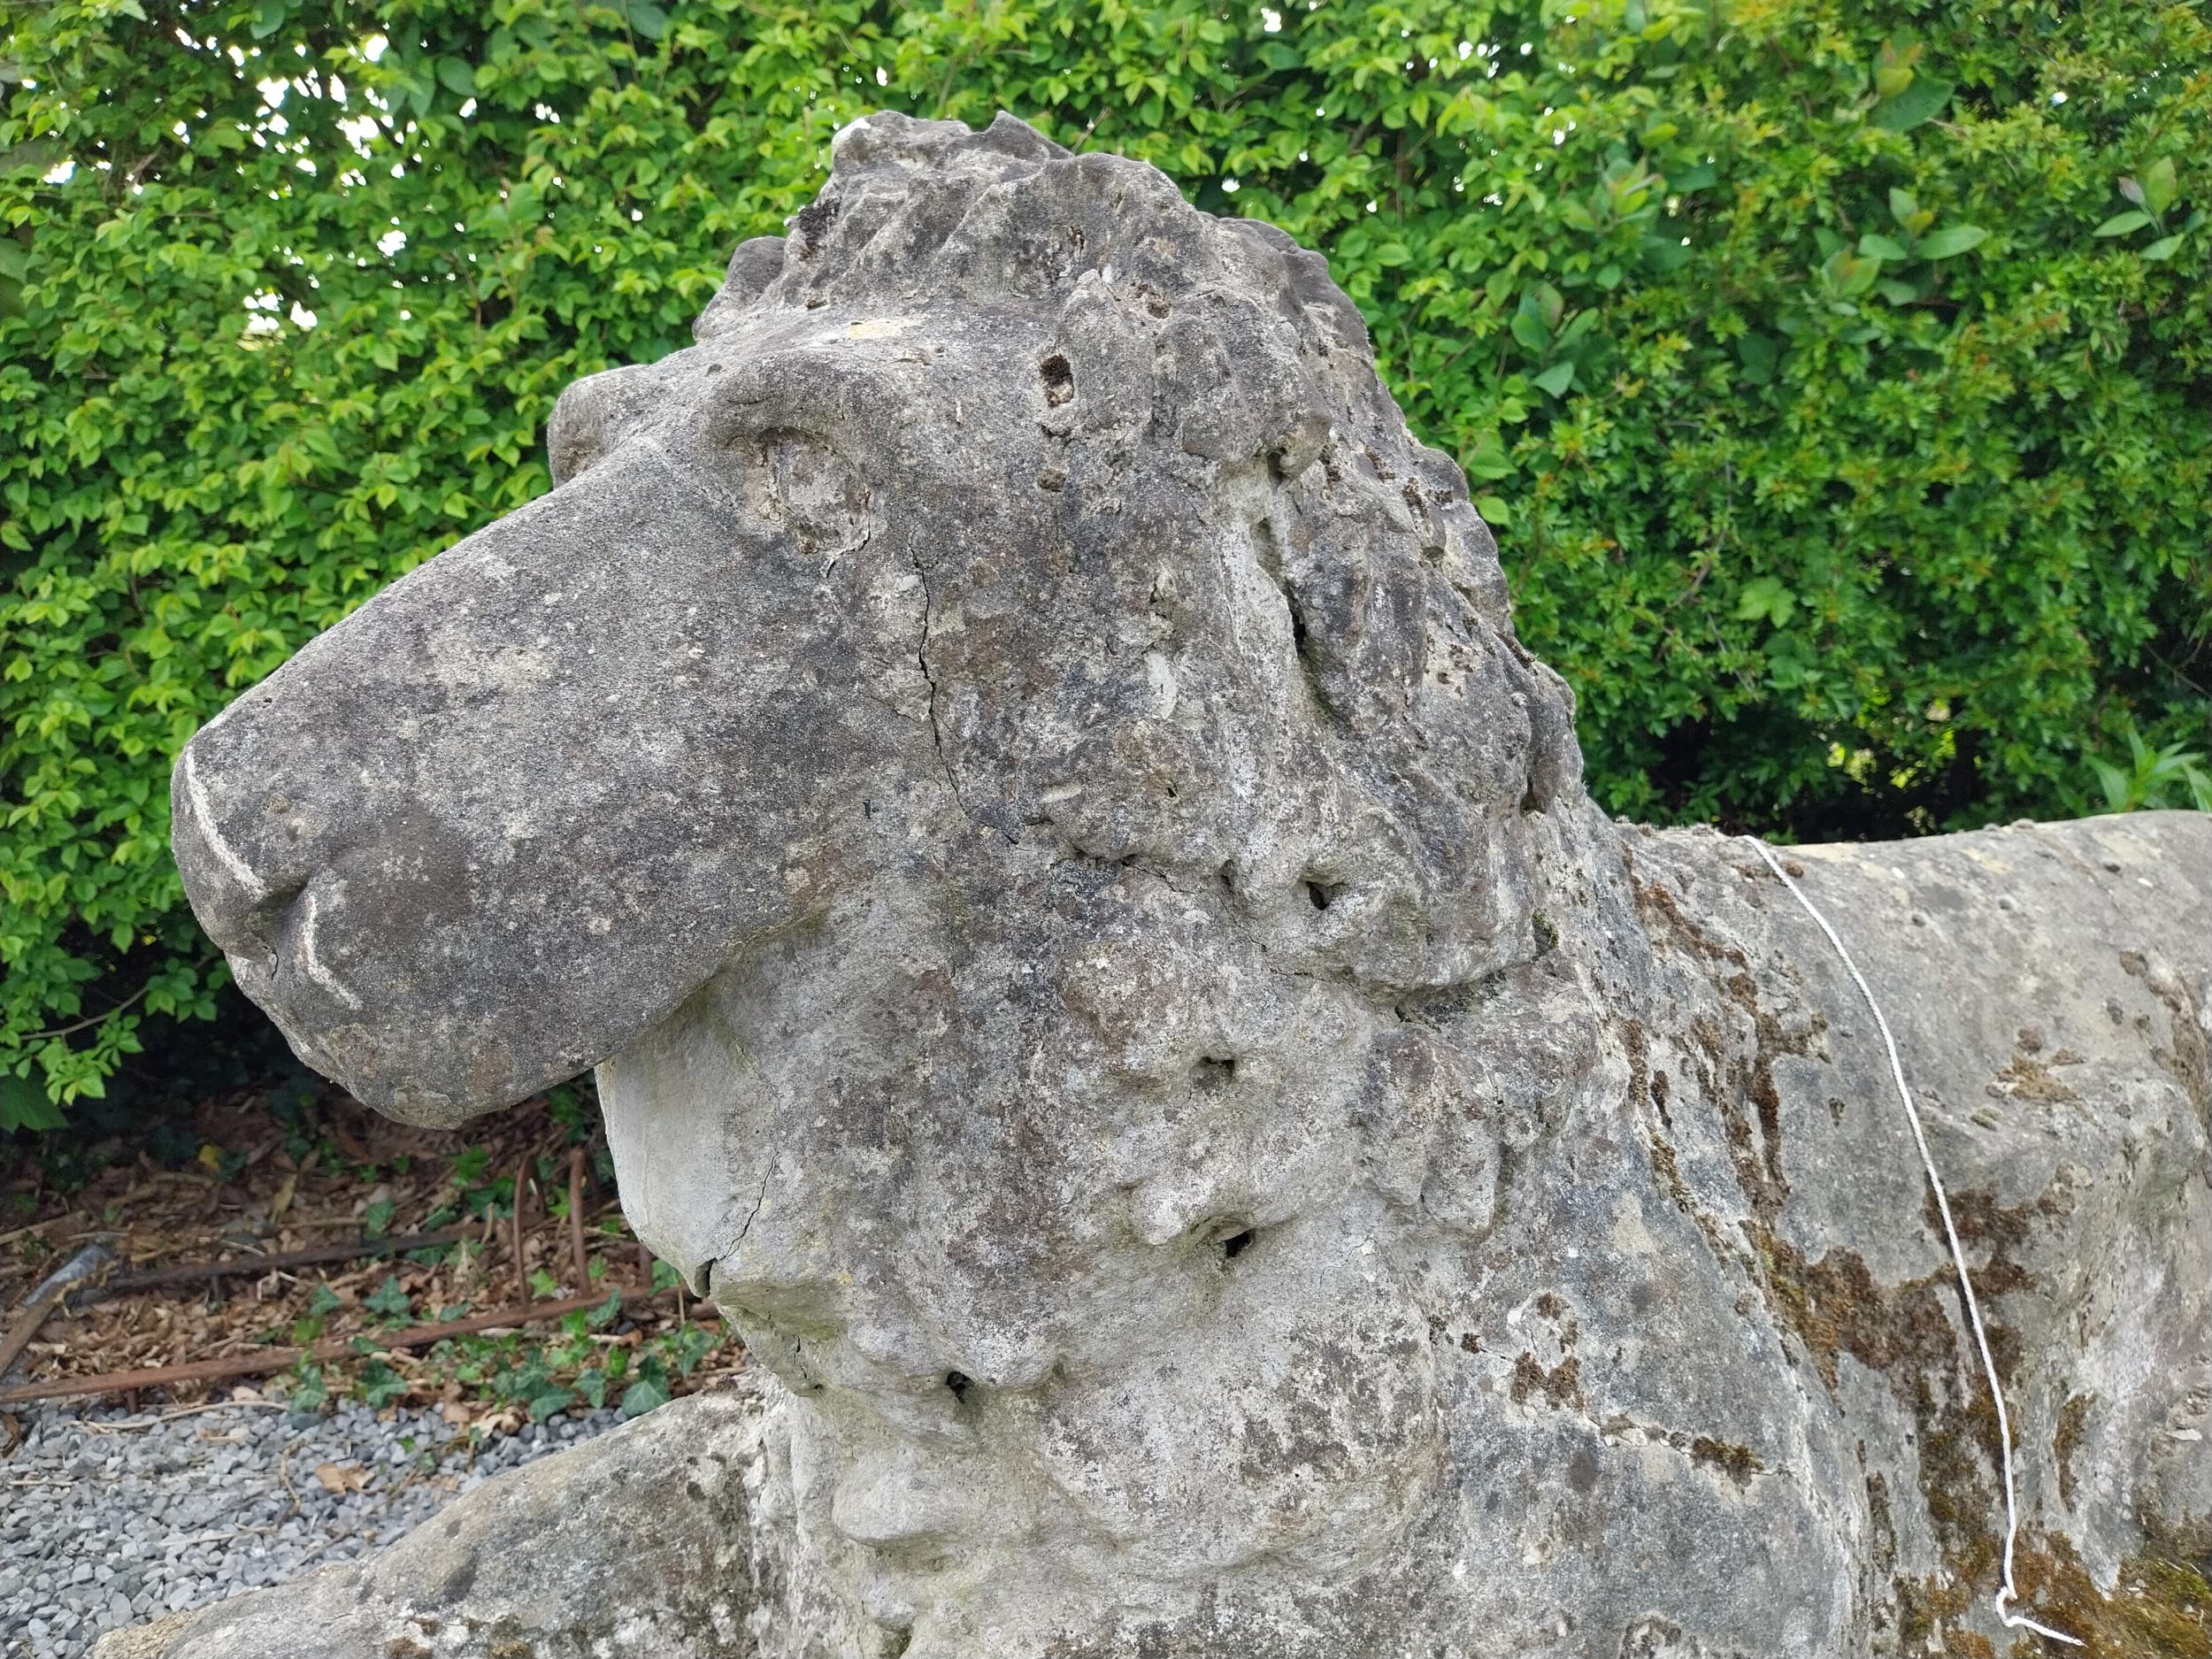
x,y
107,1519
519,1567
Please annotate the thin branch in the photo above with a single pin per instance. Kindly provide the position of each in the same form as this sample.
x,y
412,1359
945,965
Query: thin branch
x,y
84,1024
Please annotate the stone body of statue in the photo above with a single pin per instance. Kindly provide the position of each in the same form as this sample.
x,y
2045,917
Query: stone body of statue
x,y
1017,770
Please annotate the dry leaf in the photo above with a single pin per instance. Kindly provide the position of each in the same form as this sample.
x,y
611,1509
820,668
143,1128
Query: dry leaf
x,y
281,1200
342,1478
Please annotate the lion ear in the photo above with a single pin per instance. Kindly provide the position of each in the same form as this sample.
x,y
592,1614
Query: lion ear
x,y
589,418
755,264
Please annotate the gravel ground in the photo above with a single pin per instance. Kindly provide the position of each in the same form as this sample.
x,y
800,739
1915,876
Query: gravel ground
x,y
108,1519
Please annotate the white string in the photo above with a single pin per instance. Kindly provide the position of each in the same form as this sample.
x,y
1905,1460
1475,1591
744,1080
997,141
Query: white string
x,y
2008,1591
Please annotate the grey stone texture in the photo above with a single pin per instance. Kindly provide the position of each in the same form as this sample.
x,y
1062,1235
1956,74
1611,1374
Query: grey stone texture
x,y
1017,768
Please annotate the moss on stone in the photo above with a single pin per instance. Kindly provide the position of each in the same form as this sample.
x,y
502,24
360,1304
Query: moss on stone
x,y
2159,1609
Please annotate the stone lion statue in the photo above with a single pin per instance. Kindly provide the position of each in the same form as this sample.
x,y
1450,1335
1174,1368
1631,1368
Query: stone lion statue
x,y
1017,770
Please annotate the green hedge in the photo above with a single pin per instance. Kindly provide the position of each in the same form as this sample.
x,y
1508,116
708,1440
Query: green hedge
x,y
1834,373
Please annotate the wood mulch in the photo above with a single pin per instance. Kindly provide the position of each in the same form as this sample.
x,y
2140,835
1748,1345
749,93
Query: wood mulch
x,y
329,1175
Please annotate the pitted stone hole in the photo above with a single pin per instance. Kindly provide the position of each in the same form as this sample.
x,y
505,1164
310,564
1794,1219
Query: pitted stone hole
x,y
1059,380
1320,893
958,1383
896,1641
1214,1073
1236,1244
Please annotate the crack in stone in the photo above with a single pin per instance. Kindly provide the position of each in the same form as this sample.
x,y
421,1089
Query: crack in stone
x,y
936,730
730,1250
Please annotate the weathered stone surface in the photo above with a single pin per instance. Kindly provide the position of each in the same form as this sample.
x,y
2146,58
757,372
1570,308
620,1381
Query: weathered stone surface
x,y
1017,770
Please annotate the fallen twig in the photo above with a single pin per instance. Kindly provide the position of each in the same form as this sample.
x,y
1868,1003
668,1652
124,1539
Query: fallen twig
x,y
581,1259
26,1327
275,1359
194,1273
134,1425
522,1189
94,1259
284,1473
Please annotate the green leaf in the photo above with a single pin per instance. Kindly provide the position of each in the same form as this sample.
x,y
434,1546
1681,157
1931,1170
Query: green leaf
x,y
1558,378
2164,248
1895,292
2121,224
2158,184
377,1219
1917,103
1494,512
24,1105
308,1392
1689,179
457,77
1850,275
10,71
2199,783
268,17
647,18
642,1396
1487,459
2116,783
1879,247
1529,329
549,1403
1766,596
1758,354
1902,204
1275,55
1950,242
